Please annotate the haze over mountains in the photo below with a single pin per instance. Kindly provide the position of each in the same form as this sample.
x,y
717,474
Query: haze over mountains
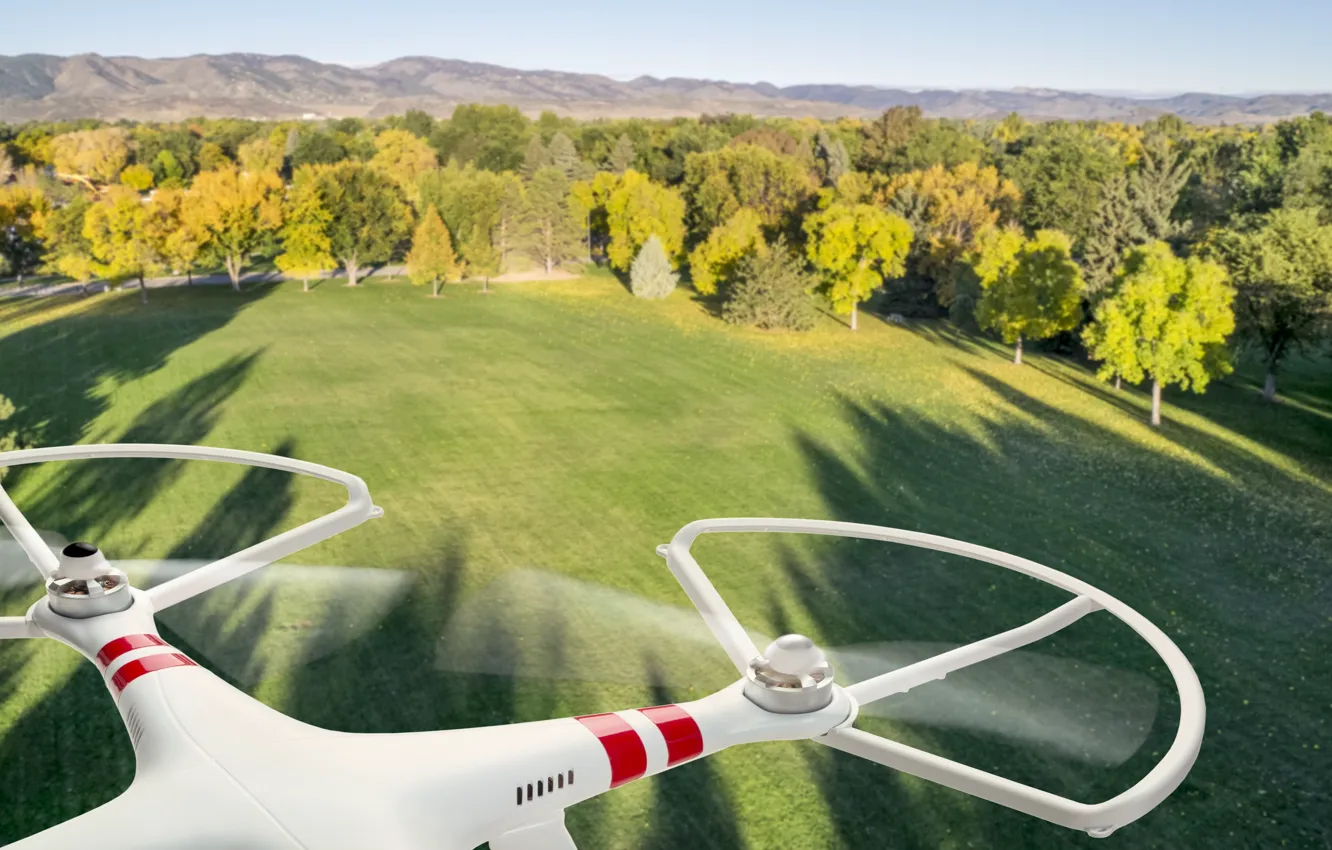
x,y
36,86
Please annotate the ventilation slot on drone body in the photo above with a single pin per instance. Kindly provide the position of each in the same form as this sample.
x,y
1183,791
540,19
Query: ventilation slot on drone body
x,y
135,727
545,786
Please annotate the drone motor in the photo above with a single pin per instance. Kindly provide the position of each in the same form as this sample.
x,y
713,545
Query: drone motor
x,y
86,585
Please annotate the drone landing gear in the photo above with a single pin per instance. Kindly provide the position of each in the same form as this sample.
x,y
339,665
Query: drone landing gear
x,y
547,835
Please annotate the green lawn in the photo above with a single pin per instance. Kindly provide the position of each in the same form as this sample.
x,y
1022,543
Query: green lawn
x,y
563,430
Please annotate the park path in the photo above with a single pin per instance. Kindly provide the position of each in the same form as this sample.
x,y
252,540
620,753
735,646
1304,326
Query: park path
x,y
379,272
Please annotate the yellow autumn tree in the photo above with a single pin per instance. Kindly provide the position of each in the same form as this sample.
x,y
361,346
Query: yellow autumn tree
x,y
854,247
636,210
404,158
715,258
957,205
235,212
91,155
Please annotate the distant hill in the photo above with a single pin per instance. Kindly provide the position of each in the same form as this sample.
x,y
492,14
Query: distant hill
x,y
37,86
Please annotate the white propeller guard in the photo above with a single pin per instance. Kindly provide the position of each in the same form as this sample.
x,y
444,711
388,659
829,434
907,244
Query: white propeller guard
x,y
1099,819
358,509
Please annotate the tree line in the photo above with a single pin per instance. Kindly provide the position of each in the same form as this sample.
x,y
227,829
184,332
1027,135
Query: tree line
x,y
1157,248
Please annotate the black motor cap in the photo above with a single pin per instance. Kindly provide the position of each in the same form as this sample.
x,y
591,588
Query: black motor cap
x,y
79,550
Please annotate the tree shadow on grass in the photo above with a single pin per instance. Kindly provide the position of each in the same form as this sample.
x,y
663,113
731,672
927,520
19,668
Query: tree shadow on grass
x,y
1214,561
56,371
88,498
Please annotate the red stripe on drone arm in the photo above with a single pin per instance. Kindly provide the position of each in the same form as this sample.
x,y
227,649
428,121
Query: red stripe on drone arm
x,y
122,645
684,740
148,664
628,757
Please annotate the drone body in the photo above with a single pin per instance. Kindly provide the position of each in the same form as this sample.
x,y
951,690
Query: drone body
x,y
216,768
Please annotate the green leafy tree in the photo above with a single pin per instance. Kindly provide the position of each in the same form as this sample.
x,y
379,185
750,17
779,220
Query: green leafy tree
x,y
431,258
716,258
550,223
1282,271
854,247
771,291
418,123
467,198
1167,320
651,275
720,182
306,247
492,138
1061,170
315,147
637,209
483,258
68,251
1034,293
236,214
369,216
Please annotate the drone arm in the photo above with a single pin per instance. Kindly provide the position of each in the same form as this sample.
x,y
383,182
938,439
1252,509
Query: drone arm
x,y
27,537
913,675
18,627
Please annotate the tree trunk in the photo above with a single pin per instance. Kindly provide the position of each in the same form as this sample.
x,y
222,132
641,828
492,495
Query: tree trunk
x,y
1119,382
1269,385
305,284
434,288
1156,403
233,272
588,217
1017,352
189,277
143,290
550,265
853,315
353,268
485,283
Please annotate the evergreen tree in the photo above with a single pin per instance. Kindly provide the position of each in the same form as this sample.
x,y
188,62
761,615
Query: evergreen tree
x,y
550,227
832,156
1116,227
622,155
564,156
535,158
1155,188
651,275
771,291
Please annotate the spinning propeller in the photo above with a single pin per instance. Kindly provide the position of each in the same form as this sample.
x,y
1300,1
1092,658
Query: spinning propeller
x,y
216,766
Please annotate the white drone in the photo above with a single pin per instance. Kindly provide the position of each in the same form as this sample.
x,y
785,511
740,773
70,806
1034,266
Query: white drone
x,y
216,768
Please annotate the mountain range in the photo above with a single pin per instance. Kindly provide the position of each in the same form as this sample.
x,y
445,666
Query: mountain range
x,y
38,86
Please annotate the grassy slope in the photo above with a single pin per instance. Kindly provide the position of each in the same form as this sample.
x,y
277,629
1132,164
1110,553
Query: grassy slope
x,y
572,428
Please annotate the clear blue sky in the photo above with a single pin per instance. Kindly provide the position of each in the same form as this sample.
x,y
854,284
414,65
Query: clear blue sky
x,y
1142,45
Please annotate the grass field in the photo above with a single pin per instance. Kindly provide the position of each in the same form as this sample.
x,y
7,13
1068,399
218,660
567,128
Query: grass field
x,y
563,430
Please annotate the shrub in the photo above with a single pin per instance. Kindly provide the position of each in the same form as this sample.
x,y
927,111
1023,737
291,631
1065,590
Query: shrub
x,y
651,275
